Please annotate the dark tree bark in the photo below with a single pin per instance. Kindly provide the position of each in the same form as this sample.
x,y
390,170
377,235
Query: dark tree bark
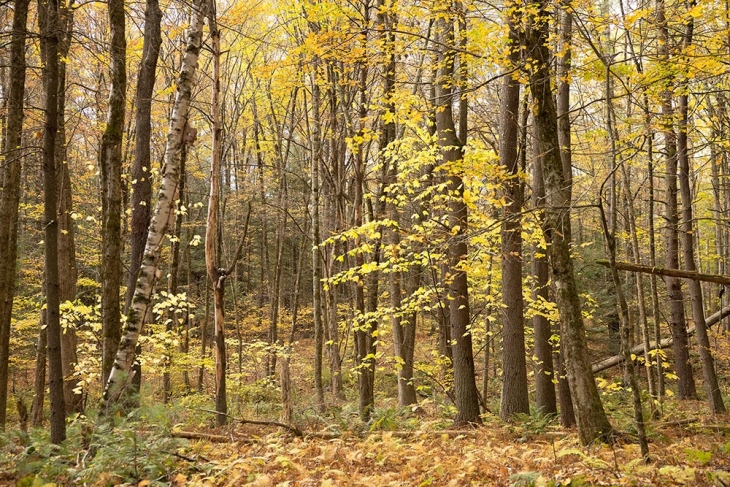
x,y
514,399
565,17
316,144
551,361
465,389
110,160
10,197
141,200
686,388
589,414
68,272
50,38
712,387
39,378
141,185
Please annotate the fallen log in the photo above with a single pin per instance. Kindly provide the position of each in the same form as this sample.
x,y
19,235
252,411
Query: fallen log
x,y
195,435
609,362
660,271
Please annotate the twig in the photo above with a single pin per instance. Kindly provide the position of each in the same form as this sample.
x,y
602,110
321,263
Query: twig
x,y
183,457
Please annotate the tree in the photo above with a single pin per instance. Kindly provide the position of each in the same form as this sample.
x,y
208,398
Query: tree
x,y
67,268
589,413
110,161
465,389
10,197
50,33
162,216
141,171
712,387
216,274
514,399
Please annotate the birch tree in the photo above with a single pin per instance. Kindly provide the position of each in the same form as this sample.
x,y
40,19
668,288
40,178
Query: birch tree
x,y
162,216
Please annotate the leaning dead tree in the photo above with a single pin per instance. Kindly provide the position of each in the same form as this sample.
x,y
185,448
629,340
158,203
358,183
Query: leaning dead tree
x,y
660,271
615,360
163,214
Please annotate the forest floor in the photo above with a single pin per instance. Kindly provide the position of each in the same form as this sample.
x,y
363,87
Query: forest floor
x,y
687,452
686,449
174,445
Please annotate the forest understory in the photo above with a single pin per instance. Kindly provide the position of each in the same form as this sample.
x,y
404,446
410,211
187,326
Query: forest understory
x,y
178,444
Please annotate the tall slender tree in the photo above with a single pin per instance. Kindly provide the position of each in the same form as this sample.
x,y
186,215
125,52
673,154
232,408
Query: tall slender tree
x,y
10,197
141,171
688,231
50,37
465,389
685,384
514,399
110,160
589,413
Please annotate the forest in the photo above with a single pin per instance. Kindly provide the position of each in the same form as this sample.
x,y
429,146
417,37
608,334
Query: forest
x,y
364,242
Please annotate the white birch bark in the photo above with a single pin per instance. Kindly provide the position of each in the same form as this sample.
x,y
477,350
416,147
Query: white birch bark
x,y
162,216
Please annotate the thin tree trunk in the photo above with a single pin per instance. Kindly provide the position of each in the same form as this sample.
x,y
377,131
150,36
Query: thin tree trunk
x,y
610,235
685,384
68,273
652,253
204,338
643,321
10,173
712,387
316,136
465,389
141,201
625,330
110,160
216,275
50,37
39,378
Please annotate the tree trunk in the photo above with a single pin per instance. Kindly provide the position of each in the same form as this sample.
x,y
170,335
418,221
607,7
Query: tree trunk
x,y
51,40
141,201
39,378
162,215
625,327
9,200
610,235
514,398
465,389
212,230
551,361
712,387
316,135
68,273
567,415
685,384
590,416
110,160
